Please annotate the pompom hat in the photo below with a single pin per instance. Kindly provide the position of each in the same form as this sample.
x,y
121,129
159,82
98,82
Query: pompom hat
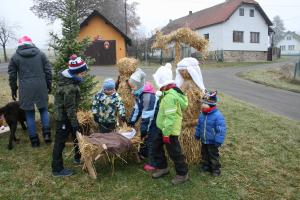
x,y
24,40
77,65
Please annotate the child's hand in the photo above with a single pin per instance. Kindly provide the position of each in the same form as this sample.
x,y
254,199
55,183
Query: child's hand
x,y
96,118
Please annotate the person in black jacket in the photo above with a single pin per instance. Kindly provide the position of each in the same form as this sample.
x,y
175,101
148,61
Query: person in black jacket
x,y
31,73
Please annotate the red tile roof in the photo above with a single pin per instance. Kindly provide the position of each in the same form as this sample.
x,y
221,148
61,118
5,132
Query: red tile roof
x,y
213,15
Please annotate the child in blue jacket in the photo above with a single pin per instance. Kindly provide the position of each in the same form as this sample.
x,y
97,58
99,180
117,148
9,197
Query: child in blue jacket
x,y
146,108
211,130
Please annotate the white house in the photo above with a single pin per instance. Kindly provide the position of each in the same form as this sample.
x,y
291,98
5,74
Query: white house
x,y
237,29
290,44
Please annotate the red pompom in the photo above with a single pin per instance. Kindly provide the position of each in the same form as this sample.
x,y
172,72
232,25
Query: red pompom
x,y
73,57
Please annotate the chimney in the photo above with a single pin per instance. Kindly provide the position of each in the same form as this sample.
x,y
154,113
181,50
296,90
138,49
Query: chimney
x,y
190,12
170,20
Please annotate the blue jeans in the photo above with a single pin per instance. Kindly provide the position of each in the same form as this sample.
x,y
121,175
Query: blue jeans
x,y
30,120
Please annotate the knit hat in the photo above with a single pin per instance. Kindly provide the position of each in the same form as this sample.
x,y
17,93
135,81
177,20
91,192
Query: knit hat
x,y
77,65
24,40
210,98
163,76
138,78
109,84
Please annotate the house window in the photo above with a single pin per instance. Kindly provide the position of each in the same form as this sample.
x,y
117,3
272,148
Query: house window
x,y
238,36
291,47
254,37
241,11
206,36
251,12
289,38
282,48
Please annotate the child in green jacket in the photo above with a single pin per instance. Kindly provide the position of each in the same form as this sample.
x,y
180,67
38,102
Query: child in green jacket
x,y
66,101
169,120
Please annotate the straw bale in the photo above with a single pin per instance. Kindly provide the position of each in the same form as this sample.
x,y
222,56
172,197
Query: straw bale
x,y
86,122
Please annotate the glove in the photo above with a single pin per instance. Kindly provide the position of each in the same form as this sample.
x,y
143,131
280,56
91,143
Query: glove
x,y
96,118
123,119
14,95
131,124
197,137
166,140
218,145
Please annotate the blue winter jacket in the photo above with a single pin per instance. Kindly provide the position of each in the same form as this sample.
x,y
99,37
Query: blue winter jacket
x,y
146,107
211,128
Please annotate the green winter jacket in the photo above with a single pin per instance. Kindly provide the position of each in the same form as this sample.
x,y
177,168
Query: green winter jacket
x,y
169,117
66,100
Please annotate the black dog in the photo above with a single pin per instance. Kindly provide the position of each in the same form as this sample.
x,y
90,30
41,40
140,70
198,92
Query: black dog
x,y
12,115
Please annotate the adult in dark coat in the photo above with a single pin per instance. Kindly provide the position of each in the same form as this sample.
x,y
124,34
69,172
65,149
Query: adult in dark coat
x,y
30,71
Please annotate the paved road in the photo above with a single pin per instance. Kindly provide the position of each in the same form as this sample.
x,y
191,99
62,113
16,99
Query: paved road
x,y
274,100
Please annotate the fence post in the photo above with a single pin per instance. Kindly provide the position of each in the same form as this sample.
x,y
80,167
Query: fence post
x,y
297,66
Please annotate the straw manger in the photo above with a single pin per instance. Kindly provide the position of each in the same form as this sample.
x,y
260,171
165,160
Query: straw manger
x,y
91,152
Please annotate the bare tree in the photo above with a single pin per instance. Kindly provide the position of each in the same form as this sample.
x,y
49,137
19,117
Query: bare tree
x,y
278,27
6,34
114,10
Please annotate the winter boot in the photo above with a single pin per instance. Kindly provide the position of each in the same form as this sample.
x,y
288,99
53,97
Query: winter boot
x,y
63,173
35,141
149,168
216,172
205,168
160,173
47,135
180,179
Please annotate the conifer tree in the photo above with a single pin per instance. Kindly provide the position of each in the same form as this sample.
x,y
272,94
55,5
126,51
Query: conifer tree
x,y
70,44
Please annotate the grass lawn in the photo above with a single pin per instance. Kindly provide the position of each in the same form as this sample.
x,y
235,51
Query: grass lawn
x,y
270,77
260,160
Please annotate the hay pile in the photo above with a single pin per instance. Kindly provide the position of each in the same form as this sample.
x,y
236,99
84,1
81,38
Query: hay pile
x,y
126,67
86,122
190,146
182,35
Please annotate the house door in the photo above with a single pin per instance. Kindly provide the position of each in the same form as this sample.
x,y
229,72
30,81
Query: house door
x,y
103,51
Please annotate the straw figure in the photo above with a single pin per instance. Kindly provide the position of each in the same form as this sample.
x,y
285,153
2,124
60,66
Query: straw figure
x,y
126,67
189,79
179,37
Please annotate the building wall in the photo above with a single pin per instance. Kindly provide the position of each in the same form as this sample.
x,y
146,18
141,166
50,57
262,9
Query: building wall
x,y
247,24
230,56
285,42
221,35
215,36
97,26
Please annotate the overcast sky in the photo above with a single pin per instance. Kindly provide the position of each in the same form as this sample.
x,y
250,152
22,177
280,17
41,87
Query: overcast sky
x,y
153,14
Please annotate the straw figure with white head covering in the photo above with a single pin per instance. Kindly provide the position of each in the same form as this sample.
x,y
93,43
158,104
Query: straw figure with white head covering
x,y
189,79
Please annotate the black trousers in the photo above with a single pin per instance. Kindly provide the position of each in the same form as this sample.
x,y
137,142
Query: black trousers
x,y
174,151
210,156
107,127
63,128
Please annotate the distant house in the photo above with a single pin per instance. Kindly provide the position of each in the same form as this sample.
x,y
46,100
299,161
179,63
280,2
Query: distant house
x,y
237,30
290,44
109,42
